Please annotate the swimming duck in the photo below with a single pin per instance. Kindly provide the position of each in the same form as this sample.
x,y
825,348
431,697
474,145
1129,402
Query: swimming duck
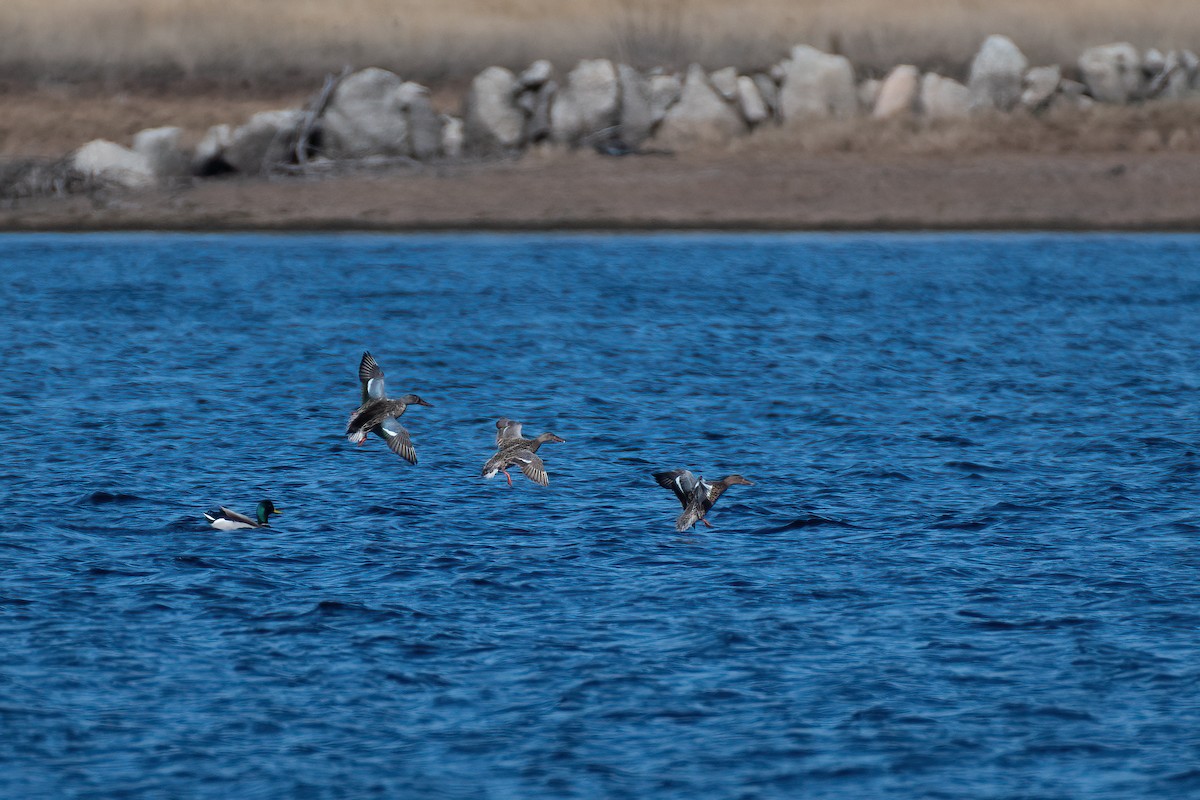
x,y
695,494
224,519
514,451
378,414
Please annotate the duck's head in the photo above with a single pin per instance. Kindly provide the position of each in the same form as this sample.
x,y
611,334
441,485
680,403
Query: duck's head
x,y
736,480
413,400
265,509
550,437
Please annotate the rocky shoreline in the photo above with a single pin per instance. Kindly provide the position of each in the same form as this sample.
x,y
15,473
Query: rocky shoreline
x,y
609,107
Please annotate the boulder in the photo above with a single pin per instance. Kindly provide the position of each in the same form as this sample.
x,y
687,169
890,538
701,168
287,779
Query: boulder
x,y
1072,95
769,90
725,82
267,139
364,117
110,162
1172,81
664,93
898,93
943,98
209,156
1041,83
1153,62
1191,65
996,74
536,74
588,103
1112,72
492,119
452,136
816,84
702,115
163,151
636,119
424,125
750,101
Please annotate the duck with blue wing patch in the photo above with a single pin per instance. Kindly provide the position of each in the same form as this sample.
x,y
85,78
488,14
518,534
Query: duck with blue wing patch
x,y
379,415
696,495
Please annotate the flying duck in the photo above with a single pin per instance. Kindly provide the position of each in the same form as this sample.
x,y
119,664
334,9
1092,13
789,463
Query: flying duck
x,y
695,494
378,414
223,519
514,451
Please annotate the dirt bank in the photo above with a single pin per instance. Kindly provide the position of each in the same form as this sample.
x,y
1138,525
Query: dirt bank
x,y
748,189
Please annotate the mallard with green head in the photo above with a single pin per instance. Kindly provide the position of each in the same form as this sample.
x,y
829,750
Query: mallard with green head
x,y
224,519
512,450
378,414
695,494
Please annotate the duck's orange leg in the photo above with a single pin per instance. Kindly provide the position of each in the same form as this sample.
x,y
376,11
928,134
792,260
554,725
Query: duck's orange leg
x,y
707,524
507,476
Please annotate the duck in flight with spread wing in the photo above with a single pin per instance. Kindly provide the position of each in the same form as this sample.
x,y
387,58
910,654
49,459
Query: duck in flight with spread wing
x,y
378,414
513,450
695,494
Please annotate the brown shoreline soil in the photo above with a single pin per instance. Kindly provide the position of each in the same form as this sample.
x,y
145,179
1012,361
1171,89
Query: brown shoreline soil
x,y
721,190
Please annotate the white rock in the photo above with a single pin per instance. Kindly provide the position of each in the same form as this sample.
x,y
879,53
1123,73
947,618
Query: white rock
x,y
588,103
750,101
536,74
208,157
664,93
996,74
265,140
898,93
768,90
1173,82
1041,83
943,98
364,117
816,84
162,149
1153,61
493,120
109,161
1191,64
1112,72
1071,95
701,115
452,136
636,119
424,125
725,82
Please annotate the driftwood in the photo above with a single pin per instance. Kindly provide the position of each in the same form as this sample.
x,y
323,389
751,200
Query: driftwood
x,y
313,110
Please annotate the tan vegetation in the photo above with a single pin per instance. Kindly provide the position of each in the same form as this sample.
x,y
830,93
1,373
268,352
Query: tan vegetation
x,y
273,43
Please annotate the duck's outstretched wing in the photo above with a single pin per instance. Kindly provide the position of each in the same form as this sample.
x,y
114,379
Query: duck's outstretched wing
x,y
398,440
371,377
532,466
507,429
680,481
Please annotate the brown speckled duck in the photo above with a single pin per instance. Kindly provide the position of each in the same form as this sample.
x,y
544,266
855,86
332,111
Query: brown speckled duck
x,y
514,451
695,494
378,414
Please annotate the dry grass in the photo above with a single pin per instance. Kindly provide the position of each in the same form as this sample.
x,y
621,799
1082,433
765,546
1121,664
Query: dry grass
x,y
272,43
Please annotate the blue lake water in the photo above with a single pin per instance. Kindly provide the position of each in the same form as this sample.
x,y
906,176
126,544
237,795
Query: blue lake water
x,y
969,566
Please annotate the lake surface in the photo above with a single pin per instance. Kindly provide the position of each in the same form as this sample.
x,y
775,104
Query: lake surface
x,y
969,566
